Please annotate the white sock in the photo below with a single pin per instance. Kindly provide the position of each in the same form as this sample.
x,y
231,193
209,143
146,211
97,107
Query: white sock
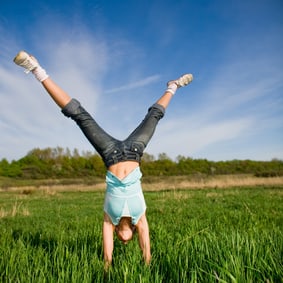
x,y
40,74
172,87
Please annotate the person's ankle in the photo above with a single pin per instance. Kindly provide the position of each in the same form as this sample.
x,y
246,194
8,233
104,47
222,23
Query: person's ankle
x,y
171,87
40,74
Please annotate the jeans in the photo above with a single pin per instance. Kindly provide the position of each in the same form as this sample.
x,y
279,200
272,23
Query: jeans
x,y
110,149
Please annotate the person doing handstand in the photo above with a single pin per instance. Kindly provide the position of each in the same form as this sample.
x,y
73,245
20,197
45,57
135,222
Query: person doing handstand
x,y
124,205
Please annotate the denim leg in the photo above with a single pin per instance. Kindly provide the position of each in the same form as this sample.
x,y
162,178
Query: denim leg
x,y
144,132
101,141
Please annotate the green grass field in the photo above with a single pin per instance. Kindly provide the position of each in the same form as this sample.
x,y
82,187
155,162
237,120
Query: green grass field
x,y
197,235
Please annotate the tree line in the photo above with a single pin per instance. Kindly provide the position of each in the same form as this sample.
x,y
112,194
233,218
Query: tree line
x,y
64,163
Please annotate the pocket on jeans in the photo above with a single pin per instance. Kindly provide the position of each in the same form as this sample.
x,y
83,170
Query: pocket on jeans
x,y
114,154
137,147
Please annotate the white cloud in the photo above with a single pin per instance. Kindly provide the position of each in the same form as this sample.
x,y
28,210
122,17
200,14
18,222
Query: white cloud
x,y
188,136
141,83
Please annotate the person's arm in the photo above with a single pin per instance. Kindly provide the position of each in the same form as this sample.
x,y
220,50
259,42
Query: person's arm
x,y
108,244
144,240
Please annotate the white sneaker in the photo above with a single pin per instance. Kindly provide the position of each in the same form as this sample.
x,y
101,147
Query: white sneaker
x,y
26,61
182,81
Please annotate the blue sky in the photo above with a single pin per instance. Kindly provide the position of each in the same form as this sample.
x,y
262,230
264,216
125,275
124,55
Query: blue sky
x,y
116,57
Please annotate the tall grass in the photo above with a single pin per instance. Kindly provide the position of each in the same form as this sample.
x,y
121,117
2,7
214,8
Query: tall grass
x,y
206,235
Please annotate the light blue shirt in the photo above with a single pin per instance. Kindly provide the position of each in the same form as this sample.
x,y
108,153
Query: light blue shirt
x,y
124,198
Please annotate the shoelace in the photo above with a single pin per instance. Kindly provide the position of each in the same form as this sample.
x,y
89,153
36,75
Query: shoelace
x,y
28,64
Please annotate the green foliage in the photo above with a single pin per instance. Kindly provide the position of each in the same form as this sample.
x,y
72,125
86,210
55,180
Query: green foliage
x,y
208,235
61,163
10,170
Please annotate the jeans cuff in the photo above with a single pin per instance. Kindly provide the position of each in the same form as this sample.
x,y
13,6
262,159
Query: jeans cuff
x,y
71,108
158,106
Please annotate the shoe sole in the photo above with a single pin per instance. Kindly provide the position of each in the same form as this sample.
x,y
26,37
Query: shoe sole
x,y
185,80
20,57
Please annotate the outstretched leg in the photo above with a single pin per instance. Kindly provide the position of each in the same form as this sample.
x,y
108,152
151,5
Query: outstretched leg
x,y
172,87
30,64
143,133
101,140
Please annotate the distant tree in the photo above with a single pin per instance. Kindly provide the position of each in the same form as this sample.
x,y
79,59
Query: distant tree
x,y
12,169
4,164
76,153
148,157
64,163
180,158
163,156
96,165
87,154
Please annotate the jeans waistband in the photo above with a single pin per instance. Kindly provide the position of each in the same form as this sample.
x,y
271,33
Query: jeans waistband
x,y
117,157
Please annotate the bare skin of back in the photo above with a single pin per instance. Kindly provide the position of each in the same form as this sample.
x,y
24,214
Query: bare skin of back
x,y
123,169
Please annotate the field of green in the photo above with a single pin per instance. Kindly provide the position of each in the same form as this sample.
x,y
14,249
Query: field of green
x,y
197,235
